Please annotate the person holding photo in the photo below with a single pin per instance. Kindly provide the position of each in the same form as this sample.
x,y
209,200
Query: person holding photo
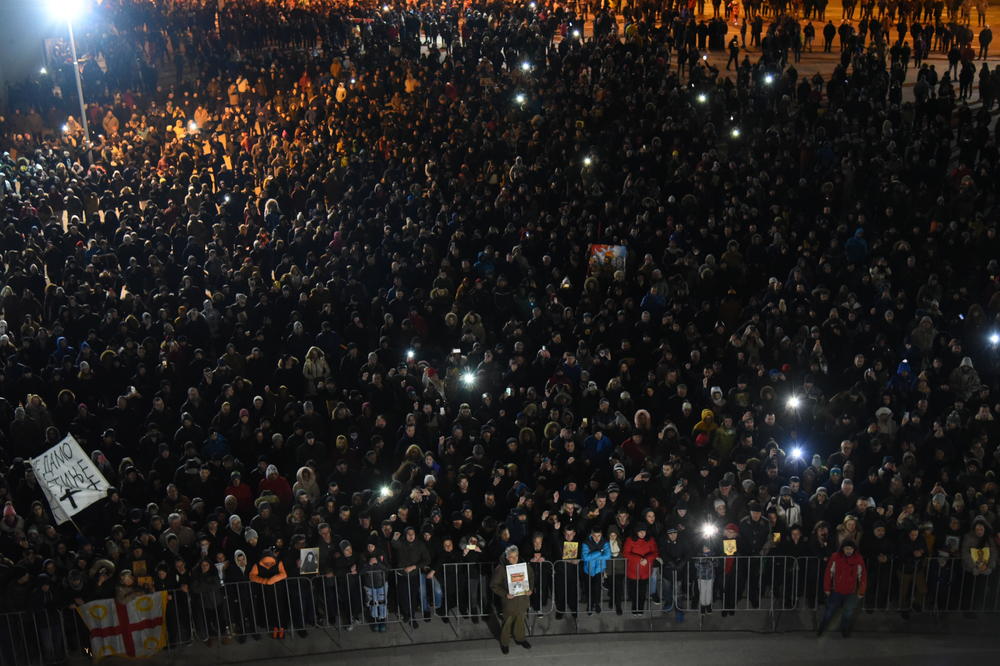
x,y
514,608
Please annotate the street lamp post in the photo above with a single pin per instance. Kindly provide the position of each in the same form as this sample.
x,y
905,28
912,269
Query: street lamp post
x,y
79,92
68,10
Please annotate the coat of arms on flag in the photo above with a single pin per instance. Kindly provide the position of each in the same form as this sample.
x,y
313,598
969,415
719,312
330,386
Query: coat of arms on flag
x,y
132,629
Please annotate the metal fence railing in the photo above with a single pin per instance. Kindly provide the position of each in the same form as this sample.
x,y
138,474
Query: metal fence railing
x,y
383,600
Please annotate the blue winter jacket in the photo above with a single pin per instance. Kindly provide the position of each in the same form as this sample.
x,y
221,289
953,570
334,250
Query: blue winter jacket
x,y
595,556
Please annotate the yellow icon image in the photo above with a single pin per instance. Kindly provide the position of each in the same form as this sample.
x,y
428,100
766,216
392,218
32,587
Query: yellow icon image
x,y
144,604
98,612
151,643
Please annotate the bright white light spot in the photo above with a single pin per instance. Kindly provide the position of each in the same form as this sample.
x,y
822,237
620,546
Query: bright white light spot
x,y
708,530
768,79
468,378
192,126
794,402
702,98
587,161
65,128
386,491
797,453
576,34
735,132
520,98
995,339
43,71
65,10
410,353
525,66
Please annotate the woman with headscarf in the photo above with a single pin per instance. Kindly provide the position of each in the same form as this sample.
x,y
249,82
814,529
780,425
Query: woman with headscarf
x,y
979,559
277,485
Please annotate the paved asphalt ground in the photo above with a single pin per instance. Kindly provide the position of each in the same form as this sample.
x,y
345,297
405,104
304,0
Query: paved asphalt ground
x,y
686,649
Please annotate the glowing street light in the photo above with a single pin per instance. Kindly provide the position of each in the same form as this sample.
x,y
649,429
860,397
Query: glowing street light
x,y
68,10
794,402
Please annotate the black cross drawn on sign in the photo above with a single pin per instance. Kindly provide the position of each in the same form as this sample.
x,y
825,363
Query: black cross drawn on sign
x,y
68,496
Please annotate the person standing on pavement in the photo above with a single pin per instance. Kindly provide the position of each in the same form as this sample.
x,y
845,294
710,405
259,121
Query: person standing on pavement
x,y
844,583
985,37
514,608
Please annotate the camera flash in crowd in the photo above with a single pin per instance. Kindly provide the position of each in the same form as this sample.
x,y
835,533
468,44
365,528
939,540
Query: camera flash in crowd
x,y
708,530
768,79
735,133
995,339
227,198
468,378
386,491
797,453
65,128
794,402
410,354
702,98
192,126
587,161
520,98
525,66
576,34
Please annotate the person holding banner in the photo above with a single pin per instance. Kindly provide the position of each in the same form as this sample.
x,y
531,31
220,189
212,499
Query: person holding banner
x,y
514,607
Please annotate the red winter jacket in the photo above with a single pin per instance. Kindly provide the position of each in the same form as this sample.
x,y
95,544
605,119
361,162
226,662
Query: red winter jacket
x,y
635,551
845,575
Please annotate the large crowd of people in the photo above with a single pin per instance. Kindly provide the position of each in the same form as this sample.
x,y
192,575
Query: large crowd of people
x,y
323,279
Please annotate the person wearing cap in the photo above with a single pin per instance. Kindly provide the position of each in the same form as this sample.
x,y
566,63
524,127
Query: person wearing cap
x,y
514,608
674,554
845,582
755,536
44,606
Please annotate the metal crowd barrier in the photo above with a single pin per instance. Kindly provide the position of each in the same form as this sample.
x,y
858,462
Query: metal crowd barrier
x,y
395,599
